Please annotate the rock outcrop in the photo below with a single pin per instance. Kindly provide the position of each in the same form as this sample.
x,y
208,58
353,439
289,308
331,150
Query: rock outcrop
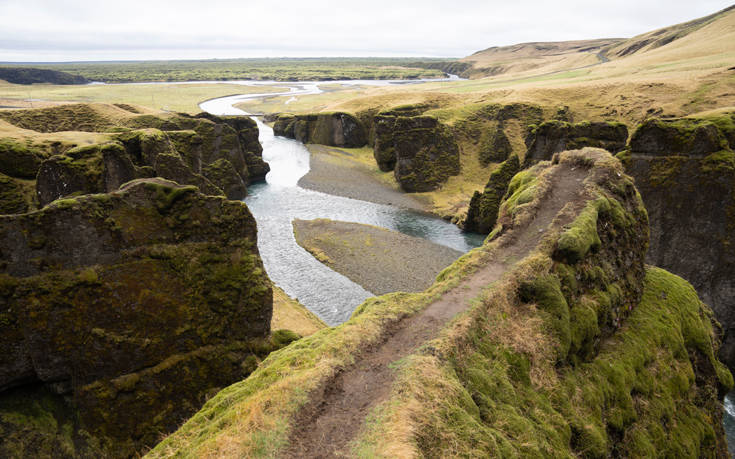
x,y
220,155
382,133
685,171
555,136
335,129
426,152
483,209
121,313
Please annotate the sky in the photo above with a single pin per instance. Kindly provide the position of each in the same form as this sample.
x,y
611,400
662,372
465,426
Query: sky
x,y
76,30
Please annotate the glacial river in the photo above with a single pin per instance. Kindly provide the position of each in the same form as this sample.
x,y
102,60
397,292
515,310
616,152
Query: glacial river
x,y
280,199
277,202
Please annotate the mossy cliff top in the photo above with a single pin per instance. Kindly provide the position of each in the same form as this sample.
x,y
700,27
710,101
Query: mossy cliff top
x,y
578,350
127,310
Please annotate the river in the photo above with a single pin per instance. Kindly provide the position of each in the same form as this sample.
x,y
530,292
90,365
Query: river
x,y
280,199
277,202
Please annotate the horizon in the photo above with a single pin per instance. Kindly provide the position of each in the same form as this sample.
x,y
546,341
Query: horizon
x,y
43,32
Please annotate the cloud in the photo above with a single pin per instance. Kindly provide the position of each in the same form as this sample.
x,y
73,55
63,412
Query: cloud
x,y
43,30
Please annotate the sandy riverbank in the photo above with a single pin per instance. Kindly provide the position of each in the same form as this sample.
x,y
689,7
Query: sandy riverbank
x,y
340,172
381,261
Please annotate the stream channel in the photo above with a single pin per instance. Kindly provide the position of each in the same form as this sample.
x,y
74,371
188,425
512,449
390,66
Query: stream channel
x,y
280,199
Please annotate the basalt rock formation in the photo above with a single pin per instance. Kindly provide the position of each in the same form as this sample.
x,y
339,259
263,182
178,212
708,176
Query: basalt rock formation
x,y
555,136
335,129
121,313
220,155
483,209
426,152
685,171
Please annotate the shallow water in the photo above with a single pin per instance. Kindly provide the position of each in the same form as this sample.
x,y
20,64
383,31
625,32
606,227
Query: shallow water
x,y
277,202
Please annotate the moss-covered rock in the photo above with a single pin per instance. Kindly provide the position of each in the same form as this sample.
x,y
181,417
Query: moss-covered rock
x,y
336,129
555,136
130,308
223,175
685,172
426,153
19,160
497,148
16,196
483,209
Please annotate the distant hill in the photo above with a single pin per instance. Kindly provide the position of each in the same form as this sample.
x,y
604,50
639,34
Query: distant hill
x,y
710,36
22,75
536,56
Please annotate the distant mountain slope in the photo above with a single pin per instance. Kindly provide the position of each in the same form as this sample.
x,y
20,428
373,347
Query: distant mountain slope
x,y
709,40
537,56
668,35
29,76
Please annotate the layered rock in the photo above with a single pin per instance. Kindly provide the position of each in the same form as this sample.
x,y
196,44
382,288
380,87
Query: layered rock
x,y
124,311
685,171
556,136
483,209
426,152
335,129
382,133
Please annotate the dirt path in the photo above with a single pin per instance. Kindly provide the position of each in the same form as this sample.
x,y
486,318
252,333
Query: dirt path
x,y
328,424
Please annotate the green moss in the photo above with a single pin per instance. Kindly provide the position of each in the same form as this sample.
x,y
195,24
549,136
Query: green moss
x,y
582,237
166,196
483,210
545,292
521,191
19,160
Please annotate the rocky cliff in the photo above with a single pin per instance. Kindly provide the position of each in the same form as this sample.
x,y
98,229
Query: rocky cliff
x,y
483,210
424,151
123,312
220,155
334,129
685,171
555,136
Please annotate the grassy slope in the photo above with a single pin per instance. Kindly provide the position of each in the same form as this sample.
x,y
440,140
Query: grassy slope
x,y
172,97
289,314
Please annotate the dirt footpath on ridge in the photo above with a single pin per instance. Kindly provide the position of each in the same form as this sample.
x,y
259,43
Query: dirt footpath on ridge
x,y
333,419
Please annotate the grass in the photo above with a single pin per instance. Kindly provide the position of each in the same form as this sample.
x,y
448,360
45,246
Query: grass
x,y
171,97
289,314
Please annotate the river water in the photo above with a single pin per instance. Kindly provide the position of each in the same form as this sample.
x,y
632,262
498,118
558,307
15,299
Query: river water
x,y
280,199
277,202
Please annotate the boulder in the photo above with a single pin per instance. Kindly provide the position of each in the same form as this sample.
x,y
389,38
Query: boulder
x,y
125,311
556,136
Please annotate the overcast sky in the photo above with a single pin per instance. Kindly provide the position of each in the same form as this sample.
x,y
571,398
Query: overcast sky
x,y
63,30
